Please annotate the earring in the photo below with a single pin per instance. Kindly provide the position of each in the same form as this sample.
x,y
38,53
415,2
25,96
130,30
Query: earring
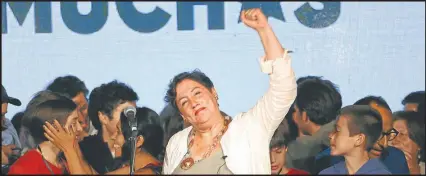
x,y
419,154
217,98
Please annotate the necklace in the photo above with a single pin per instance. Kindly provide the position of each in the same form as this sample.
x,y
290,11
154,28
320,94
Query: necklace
x,y
60,162
188,162
44,161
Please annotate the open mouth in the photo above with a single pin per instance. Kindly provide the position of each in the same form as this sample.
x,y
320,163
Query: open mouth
x,y
199,110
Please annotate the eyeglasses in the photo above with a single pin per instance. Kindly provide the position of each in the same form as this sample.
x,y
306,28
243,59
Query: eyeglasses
x,y
390,135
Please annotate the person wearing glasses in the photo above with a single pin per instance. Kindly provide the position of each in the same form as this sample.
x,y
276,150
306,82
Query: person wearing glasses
x,y
393,158
411,139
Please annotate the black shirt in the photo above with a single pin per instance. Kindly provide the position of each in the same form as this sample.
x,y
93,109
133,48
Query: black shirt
x,y
98,155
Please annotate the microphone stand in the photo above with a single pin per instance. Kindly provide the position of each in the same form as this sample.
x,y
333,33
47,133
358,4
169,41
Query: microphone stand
x,y
133,127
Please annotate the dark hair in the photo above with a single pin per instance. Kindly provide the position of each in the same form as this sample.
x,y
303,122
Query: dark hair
x,y
25,137
48,111
167,112
283,135
69,86
319,98
195,75
363,120
414,97
304,78
416,128
421,109
106,98
370,99
39,98
148,126
16,121
173,124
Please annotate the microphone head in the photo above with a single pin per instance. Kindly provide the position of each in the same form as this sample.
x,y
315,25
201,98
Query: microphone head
x,y
130,112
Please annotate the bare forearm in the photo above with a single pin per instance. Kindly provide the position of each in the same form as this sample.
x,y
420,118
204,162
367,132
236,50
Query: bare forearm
x,y
4,158
271,45
74,164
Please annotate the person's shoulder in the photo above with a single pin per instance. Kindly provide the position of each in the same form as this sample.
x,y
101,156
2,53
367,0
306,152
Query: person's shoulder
x,y
306,142
181,134
392,152
178,138
26,164
94,148
293,171
91,140
334,169
329,170
377,167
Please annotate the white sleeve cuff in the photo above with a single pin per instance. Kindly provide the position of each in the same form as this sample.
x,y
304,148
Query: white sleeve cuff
x,y
267,66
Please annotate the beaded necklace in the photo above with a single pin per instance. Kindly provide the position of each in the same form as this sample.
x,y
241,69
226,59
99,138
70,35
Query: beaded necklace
x,y
188,162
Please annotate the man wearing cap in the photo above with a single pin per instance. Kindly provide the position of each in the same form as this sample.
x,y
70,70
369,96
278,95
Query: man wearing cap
x,y
10,138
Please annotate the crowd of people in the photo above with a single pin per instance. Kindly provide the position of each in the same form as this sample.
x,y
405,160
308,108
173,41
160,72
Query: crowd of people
x,y
297,127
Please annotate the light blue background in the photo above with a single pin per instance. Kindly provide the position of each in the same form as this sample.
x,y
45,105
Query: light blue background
x,y
373,48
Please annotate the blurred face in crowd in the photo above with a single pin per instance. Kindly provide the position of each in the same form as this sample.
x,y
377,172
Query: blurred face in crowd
x,y
411,107
300,118
277,155
82,105
341,142
382,143
196,103
72,123
403,141
113,125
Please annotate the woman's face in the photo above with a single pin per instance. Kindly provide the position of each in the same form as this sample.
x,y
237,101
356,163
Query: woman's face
x,y
196,103
72,122
403,141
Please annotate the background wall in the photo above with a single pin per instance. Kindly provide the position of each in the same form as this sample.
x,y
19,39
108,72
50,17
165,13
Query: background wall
x,y
365,47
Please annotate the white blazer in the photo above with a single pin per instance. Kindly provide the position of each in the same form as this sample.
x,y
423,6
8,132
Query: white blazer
x,y
246,142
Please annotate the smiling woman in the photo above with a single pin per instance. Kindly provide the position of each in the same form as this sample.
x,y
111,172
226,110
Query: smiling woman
x,y
215,145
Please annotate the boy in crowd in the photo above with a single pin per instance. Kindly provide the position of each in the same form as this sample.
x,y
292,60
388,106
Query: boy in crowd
x,y
357,129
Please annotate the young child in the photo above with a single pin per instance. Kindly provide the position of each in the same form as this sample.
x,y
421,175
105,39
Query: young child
x,y
278,149
357,128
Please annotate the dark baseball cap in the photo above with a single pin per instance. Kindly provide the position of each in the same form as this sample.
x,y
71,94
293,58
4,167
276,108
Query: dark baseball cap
x,y
6,99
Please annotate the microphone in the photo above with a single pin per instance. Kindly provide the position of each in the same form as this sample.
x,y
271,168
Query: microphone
x,y
224,162
130,113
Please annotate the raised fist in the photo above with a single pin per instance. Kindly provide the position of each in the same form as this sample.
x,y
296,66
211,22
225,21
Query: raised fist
x,y
254,18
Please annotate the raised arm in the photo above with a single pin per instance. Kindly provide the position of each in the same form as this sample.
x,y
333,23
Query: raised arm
x,y
271,109
255,19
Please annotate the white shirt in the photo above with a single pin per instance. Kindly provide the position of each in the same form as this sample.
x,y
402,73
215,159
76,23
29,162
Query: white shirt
x,y
246,142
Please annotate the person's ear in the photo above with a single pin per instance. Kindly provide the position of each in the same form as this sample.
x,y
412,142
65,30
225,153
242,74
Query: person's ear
x,y
139,141
305,118
360,139
103,118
